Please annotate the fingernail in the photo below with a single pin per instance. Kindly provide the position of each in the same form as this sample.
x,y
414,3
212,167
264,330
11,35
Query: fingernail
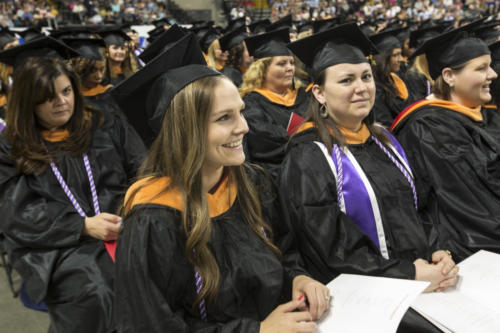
x,y
301,298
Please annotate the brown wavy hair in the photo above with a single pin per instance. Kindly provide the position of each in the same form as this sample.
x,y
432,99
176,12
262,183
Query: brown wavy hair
x,y
183,135
325,126
34,85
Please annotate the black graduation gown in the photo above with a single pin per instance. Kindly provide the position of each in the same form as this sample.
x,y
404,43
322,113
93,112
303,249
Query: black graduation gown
x,y
268,121
328,240
388,106
73,274
233,74
155,284
457,165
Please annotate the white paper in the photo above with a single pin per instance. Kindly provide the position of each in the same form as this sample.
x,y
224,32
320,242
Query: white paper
x,y
474,304
368,304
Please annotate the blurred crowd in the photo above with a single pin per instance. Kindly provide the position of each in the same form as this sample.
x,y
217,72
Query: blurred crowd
x,y
16,13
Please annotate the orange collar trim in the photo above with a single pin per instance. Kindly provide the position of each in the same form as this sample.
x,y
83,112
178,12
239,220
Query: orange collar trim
x,y
351,137
118,70
490,106
474,114
220,65
309,87
218,203
55,136
287,100
97,90
400,86
3,100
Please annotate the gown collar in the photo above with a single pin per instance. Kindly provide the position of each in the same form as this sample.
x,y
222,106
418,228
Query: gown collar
x,y
351,137
287,100
55,136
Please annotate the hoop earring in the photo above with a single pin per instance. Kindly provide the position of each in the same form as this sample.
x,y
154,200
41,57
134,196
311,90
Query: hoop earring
x,y
323,112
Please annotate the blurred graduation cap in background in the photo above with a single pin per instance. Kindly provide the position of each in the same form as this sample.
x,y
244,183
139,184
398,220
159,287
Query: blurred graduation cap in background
x,y
6,37
259,26
233,38
285,21
30,34
270,44
89,48
114,36
169,37
386,40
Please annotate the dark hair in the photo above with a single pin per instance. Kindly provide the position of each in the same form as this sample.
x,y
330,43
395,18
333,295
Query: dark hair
x,y
325,126
235,56
382,73
34,85
83,66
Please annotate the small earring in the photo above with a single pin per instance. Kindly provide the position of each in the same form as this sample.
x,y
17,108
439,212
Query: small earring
x,y
323,112
451,85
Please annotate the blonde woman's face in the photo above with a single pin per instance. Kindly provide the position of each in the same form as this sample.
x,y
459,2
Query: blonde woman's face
x,y
226,128
279,74
117,53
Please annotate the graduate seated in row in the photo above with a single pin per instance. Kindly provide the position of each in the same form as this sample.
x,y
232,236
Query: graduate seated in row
x,y
346,186
395,89
64,170
238,58
273,98
453,144
203,247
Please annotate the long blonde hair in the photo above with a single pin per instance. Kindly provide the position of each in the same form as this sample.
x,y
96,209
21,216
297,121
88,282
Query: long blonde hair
x,y
255,76
211,59
179,153
420,66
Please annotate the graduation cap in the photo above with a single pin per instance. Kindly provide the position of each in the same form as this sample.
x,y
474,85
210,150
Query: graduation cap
x,y
495,52
6,36
42,47
342,44
89,48
285,21
322,25
403,35
305,27
114,36
270,44
77,31
30,34
386,41
452,48
161,22
418,37
155,33
367,29
487,31
233,38
208,38
235,24
138,96
259,26
167,38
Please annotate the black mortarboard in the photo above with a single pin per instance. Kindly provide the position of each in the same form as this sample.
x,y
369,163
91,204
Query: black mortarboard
x,y
161,22
403,35
77,31
235,24
155,33
305,27
89,48
386,40
451,49
285,21
270,44
114,36
142,104
208,38
42,47
495,52
367,29
420,36
323,25
164,41
233,38
487,31
342,44
6,36
30,34
259,26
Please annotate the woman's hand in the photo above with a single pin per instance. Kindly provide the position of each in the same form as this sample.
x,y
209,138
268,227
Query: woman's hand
x,y
285,319
316,293
103,226
450,270
433,273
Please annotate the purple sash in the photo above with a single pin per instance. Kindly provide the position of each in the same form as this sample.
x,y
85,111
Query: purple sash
x,y
2,125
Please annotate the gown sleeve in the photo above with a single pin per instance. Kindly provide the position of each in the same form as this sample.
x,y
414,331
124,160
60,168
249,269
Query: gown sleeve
x,y
457,176
32,214
329,241
155,282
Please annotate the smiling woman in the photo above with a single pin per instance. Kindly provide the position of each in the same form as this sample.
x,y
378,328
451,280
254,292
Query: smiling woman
x,y
454,144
